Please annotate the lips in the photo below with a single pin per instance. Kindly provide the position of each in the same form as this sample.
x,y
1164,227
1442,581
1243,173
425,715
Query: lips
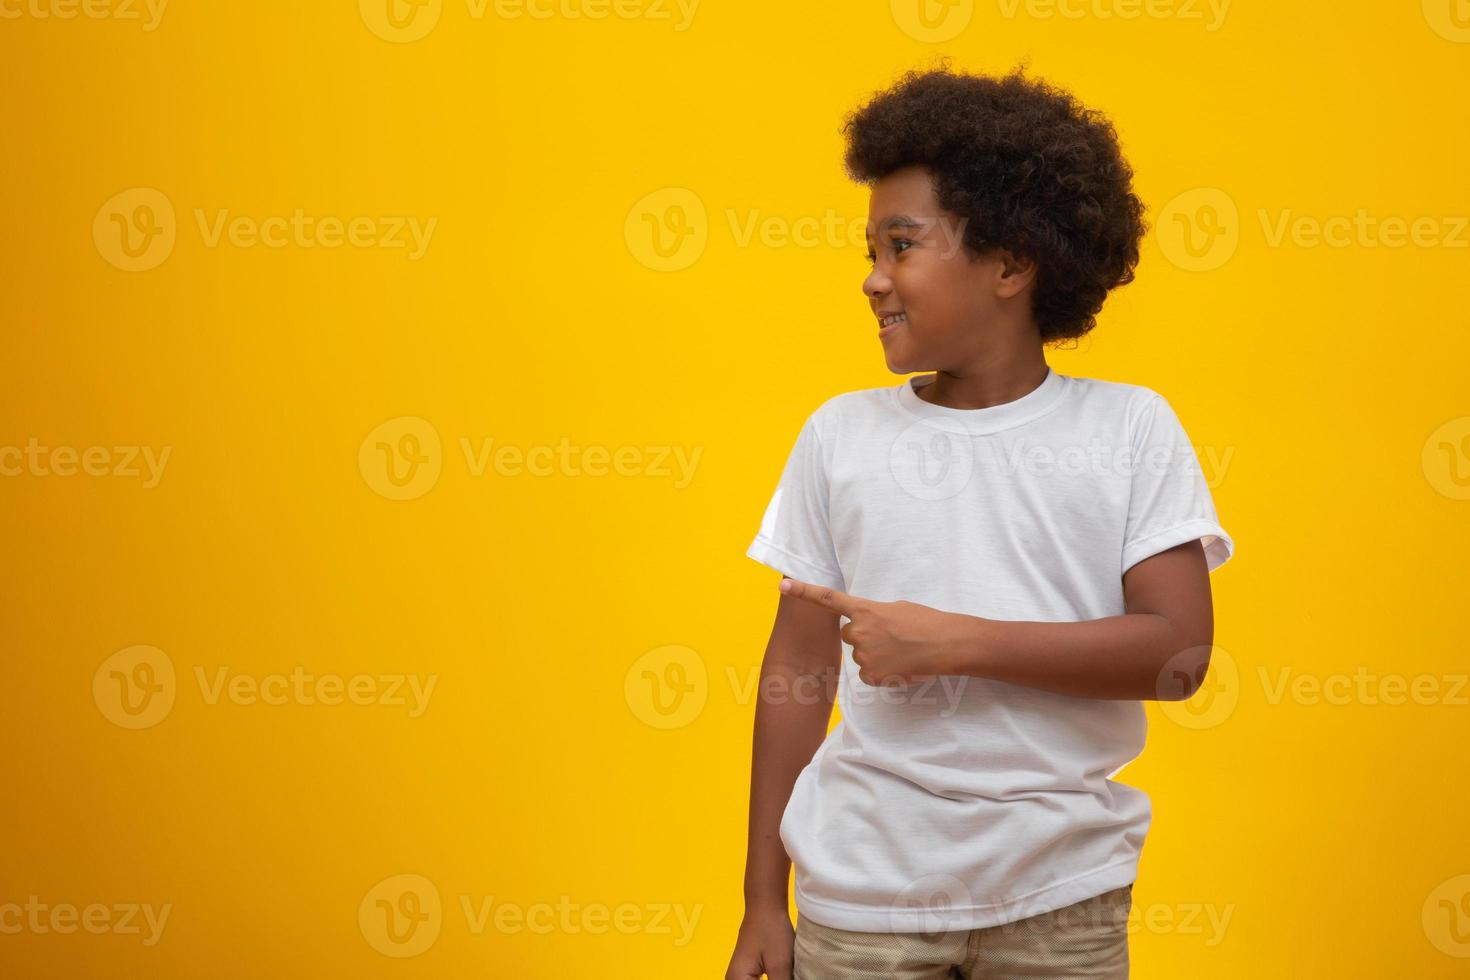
x,y
889,322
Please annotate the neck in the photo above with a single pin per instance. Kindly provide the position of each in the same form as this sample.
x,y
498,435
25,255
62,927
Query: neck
x,y
992,379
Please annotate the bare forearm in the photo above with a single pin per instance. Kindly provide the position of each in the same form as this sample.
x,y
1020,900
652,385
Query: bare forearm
x,y
793,710
1136,656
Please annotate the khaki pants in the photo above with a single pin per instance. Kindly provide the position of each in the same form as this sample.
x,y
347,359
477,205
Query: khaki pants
x,y
1085,940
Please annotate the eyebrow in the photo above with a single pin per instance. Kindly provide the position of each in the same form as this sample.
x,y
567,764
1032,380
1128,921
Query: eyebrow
x,y
898,221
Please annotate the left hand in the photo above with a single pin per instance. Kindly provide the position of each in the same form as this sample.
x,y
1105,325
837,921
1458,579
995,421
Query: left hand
x,y
892,642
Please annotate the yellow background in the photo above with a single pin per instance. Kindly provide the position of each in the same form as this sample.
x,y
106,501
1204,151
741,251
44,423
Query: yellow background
x,y
1331,834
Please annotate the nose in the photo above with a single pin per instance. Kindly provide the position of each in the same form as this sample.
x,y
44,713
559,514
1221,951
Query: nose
x,y
877,285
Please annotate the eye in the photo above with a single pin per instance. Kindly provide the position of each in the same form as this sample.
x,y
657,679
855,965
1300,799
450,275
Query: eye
x,y
896,242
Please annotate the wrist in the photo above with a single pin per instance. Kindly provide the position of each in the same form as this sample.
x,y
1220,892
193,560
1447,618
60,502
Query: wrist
x,y
965,644
766,906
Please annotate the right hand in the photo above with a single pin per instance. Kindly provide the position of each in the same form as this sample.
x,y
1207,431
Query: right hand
x,y
765,946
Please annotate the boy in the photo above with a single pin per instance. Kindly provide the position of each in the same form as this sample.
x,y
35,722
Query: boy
x,y
994,564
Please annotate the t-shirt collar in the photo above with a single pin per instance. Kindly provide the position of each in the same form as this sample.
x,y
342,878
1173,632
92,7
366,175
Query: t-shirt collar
x,y
980,421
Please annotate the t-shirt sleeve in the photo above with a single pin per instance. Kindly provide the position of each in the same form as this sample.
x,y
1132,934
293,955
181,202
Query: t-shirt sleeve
x,y
1169,501
795,536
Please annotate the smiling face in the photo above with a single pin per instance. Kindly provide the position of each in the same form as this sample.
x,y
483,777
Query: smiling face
x,y
957,307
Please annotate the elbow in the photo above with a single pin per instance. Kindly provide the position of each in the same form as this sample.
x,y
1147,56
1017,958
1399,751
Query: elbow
x,y
1183,674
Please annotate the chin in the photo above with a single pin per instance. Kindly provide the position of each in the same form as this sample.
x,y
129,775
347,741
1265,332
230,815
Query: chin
x,y
897,364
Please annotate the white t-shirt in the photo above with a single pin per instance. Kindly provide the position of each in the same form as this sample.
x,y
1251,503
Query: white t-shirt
x,y
963,803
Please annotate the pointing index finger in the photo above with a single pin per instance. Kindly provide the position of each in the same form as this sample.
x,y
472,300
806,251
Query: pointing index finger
x,y
821,595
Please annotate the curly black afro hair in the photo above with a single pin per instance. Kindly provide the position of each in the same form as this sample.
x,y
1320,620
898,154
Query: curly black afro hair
x,y
1031,170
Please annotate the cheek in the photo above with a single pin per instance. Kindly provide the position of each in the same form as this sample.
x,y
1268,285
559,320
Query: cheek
x,y
953,296
935,293
916,289
929,301
934,282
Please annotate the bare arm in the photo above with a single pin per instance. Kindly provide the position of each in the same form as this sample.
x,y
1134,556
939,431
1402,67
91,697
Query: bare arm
x,y
1158,650
793,709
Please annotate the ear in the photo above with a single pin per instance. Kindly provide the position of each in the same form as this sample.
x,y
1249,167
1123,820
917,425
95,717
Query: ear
x,y
1016,273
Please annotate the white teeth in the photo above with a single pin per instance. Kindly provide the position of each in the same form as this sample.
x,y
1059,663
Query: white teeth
x,y
889,321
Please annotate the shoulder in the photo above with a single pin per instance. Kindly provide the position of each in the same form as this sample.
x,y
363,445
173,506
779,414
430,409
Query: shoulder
x,y
847,404
1134,403
1121,392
